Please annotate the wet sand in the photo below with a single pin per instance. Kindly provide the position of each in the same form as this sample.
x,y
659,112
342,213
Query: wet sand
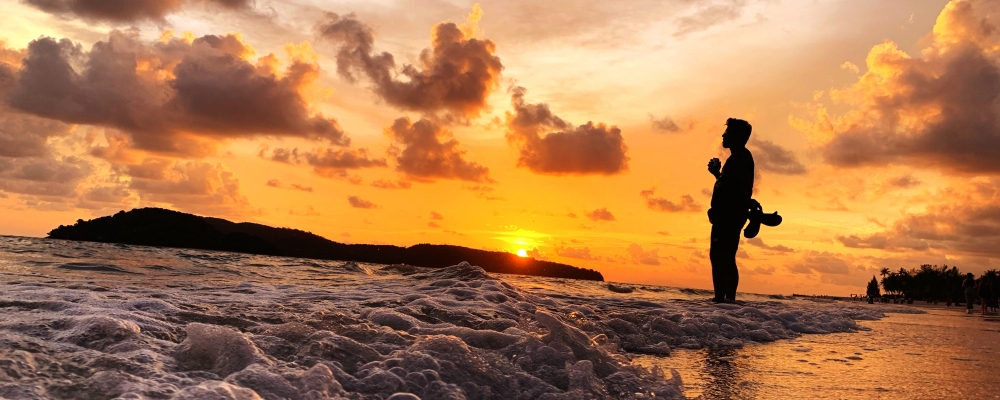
x,y
943,354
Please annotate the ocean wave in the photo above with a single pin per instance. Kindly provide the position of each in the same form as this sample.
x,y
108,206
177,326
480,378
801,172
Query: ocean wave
x,y
329,330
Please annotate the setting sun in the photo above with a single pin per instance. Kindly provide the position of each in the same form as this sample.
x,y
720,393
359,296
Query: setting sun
x,y
522,253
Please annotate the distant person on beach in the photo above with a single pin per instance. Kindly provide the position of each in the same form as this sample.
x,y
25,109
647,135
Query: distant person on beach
x,y
969,288
985,295
730,207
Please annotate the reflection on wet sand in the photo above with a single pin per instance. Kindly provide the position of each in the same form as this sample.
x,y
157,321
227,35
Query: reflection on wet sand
x,y
938,355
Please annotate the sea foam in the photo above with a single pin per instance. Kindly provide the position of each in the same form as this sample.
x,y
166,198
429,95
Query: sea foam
x,y
287,329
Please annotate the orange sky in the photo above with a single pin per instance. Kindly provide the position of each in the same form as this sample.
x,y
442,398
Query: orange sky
x,y
576,130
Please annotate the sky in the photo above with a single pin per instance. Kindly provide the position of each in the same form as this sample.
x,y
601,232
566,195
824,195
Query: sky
x,y
574,131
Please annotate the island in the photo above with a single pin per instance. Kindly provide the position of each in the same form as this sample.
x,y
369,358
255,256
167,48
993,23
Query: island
x,y
167,228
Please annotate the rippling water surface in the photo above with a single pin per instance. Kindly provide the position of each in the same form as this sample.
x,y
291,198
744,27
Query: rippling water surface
x,y
95,320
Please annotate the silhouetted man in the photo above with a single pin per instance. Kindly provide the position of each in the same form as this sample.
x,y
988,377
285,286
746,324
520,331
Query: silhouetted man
x,y
730,205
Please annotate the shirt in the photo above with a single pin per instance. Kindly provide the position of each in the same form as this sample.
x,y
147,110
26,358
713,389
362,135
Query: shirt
x,y
734,187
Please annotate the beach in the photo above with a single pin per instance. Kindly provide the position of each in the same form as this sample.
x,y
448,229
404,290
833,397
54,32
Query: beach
x,y
942,354
97,320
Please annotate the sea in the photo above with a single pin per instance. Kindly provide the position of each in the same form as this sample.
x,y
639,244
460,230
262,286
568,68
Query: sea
x,y
84,320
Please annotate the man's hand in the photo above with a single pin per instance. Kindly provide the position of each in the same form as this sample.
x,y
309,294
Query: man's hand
x,y
715,167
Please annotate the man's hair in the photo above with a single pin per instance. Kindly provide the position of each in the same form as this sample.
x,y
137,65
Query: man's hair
x,y
739,127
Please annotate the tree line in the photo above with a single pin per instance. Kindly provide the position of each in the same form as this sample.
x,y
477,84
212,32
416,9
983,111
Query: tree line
x,y
929,282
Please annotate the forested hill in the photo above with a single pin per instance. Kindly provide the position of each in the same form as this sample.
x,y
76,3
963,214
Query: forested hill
x,y
167,228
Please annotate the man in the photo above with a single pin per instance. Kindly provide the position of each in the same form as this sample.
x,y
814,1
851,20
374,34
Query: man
x,y
730,205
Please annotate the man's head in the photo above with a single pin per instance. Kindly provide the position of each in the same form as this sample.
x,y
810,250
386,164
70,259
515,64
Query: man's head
x,y
737,133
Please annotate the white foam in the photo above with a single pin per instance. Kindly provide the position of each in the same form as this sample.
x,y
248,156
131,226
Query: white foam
x,y
309,329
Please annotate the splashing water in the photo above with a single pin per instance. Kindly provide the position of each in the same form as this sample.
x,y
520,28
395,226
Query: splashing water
x,y
96,320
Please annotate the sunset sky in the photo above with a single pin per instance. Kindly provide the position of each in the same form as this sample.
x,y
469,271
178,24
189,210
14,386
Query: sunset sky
x,y
578,131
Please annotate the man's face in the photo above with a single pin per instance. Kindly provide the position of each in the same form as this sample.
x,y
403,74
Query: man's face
x,y
727,138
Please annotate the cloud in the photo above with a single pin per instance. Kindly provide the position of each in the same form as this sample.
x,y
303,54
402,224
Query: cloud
x,y
326,162
582,253
760,243
105,198
759,270
686,203
935,109
641,256
436,216
905,181
126,11
820,262
173,96
387,184
433,224
961,220
424,150
276,183
587,149
457,74
600,214
53,176
850,67
191,186
709,15
664,124
358,202
771,157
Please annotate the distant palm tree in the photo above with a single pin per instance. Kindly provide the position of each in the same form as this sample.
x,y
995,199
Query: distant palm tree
x,y
884,272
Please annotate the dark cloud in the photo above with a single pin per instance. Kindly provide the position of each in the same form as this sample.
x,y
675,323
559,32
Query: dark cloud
x,y
760,243
387,184
771,157
273,183
358,202
43,176
424,150
172,96
641,256
23,135
564,149
456,74
435,215
686,203
327,162
433,224
600,214
125,11
903,181
937,108
665,124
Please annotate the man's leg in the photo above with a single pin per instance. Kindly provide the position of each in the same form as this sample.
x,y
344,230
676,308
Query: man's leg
x,y
720,268
725,241
728,244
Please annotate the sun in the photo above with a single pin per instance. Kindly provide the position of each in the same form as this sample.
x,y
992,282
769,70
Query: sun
x,y
522,253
